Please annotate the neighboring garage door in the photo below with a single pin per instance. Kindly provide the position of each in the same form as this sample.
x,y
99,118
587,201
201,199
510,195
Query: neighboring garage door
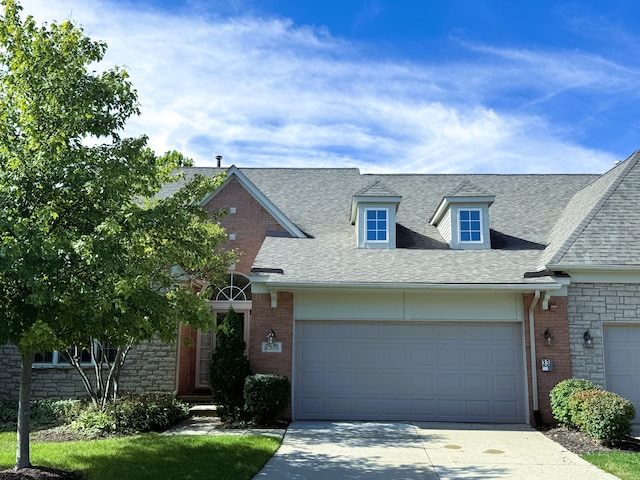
x,y
462,372
622,362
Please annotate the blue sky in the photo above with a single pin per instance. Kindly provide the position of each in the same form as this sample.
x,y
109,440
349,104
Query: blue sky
x,y
433,86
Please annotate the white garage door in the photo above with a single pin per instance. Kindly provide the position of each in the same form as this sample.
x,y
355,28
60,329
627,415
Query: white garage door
x,y
622,362
409,371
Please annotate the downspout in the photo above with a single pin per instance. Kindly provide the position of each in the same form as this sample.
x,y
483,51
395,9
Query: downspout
x,y
534,371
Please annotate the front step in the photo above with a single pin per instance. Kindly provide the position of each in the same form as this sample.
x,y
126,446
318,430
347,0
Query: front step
x,y
197,398
204,410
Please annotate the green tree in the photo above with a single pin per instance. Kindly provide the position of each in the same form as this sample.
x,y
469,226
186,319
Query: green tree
x,y
229,367
87,248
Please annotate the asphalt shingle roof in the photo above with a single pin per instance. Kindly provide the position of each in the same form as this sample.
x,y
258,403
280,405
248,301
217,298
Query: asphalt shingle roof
x,y
602,221
535,220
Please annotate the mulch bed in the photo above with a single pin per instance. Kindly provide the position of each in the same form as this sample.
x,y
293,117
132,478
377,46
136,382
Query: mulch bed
x,y
40,473
581,443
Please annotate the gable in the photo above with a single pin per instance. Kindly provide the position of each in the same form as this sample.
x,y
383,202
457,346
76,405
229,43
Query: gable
x,y
601,224
234,174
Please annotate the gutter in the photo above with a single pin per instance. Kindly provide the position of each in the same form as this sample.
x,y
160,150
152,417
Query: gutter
x,y
534,372
518,287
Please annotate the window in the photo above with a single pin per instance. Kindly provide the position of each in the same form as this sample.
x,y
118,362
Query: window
x,y
470,226
377,225
62,358
237,287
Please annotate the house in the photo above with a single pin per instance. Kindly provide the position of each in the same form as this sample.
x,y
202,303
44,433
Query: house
x,y
415,297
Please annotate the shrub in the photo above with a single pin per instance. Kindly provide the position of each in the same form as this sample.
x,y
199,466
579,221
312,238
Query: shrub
x,y
94,421
149,412
229,367
44,413
607,416
560,395
576,406
265,396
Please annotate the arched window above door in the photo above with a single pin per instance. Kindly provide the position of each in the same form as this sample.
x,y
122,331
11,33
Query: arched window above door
x,y
237,288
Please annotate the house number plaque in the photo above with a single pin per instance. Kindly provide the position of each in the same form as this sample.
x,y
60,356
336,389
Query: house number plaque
x,y
272,347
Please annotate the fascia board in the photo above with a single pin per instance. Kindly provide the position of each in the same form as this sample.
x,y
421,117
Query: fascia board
x,y
357,199
566,267
261,198
517,287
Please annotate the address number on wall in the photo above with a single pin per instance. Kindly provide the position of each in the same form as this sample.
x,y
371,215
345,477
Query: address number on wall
x,y
274,347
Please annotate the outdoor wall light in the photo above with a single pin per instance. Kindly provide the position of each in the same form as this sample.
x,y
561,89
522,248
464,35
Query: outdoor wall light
x,y
588,339
271,336
547,336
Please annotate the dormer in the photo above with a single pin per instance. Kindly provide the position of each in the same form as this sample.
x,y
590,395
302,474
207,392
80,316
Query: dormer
x,y
373,211
462,218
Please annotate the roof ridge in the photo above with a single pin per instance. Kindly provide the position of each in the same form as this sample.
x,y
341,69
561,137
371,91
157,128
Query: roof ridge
x,y
380,189
467,185
626,167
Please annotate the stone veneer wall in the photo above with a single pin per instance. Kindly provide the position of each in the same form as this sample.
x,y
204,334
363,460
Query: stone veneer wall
x,y
591,304
149,367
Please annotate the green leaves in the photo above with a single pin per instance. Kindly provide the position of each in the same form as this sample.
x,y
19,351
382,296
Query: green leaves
x,y
86,248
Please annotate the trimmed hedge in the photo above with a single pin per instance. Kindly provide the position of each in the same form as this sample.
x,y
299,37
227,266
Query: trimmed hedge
x,y
577,405
265,396
560,395
606,416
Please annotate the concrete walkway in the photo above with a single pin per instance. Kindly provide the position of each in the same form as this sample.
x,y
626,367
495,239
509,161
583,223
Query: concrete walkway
x,y
438,451
212,426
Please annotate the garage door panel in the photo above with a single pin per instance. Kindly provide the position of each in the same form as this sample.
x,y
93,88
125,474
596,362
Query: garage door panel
x,y
504,358
622,362
313,355
477,357
449,357
409,371
421,356
394,355
478,383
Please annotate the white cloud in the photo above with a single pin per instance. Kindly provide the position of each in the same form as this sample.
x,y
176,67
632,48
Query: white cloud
x,y
264,92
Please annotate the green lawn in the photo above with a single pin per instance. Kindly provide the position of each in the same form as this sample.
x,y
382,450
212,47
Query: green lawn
x,y
624,465
151,456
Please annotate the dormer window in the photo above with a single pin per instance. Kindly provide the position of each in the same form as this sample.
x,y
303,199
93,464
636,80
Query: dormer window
x,y
462,218
470,225
373,212
377,225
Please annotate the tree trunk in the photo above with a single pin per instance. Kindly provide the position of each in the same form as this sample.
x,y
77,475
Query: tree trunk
x,y
24,406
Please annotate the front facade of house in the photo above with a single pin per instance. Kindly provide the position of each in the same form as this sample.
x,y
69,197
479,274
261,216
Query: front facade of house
x,y
415,297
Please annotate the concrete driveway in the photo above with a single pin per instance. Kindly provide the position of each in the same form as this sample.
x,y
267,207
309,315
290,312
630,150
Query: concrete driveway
x,y
348,450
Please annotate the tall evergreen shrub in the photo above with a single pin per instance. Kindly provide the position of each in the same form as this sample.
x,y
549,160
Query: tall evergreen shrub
x,y
229,367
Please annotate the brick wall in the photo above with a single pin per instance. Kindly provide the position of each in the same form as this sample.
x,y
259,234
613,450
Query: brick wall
x,y
280,319
249,224
149,367
556,320
591,304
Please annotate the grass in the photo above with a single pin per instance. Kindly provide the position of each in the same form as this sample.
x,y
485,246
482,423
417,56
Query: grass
x,y
624,465
151,456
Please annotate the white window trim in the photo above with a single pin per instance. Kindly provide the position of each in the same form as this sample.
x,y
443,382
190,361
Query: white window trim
x,y
366,230
58,362
465,242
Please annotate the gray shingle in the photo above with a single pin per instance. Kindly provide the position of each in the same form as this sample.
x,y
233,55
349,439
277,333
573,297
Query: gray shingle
x,y
608,233
534,219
